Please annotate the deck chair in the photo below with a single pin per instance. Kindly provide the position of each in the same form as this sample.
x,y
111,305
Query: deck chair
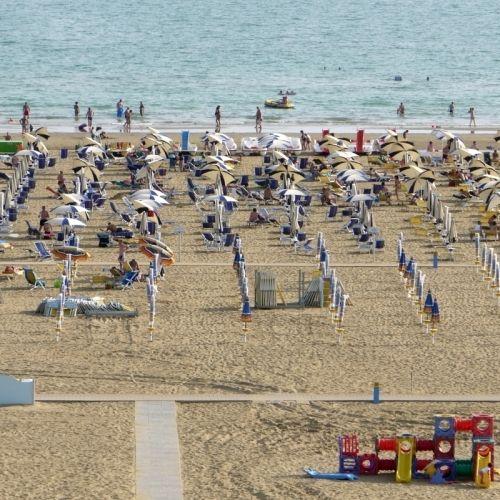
x,y
209,240
331,212
227,243
32,279
127,280
304,246
42,251
32,230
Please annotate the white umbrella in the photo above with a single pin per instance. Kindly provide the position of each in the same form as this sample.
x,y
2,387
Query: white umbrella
x,y
146,192
342,154
291,192
149,204
160,201
70,209
222,198
28,152
443,134
362,197
73,198
66,221
154,159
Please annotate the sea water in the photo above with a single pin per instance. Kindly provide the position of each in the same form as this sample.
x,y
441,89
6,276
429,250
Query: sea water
x,y
184,57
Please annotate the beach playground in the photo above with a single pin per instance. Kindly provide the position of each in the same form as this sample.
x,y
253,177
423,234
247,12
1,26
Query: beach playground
x,y
204,316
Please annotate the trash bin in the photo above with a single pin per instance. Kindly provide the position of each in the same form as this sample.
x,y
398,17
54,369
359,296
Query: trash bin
x,y
64,153
41,162
12,214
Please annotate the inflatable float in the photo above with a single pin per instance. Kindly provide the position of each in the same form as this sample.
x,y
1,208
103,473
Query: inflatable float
x,y
279,103
76,253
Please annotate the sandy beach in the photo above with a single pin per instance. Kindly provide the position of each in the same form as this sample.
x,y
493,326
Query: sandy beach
x,y
242,450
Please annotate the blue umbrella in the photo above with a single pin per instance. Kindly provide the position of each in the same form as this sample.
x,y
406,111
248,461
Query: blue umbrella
x,y
402,261
429,303
246,312
435,312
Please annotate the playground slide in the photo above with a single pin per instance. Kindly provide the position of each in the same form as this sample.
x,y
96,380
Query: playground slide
x,y
482,473
404,464
337,476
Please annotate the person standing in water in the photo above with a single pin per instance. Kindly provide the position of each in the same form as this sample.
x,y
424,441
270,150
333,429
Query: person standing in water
x,y
258,121
26,110
119,109
401,109
217,115
141,109
472,117
90,116
76,109
451,108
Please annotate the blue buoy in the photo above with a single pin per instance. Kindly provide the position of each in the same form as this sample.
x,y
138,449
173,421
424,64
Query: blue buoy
x,y
398,78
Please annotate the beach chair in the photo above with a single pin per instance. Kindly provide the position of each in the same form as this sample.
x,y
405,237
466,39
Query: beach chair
x,y
210,242
42,251
331,212
32,230
304,246
227,242
285,235
366,247
32,279
127,280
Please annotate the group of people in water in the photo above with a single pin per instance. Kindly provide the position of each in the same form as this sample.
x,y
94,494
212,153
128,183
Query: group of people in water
x,y
400,111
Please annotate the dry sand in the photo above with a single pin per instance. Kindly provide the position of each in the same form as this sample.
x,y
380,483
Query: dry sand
x,y
67,451
260,450
198,344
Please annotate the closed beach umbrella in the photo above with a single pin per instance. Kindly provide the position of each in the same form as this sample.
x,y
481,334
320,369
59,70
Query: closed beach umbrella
x,y
435,315
429,302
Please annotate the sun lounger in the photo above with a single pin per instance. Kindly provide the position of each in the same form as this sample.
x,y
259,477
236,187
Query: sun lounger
x,y
32,230
127,280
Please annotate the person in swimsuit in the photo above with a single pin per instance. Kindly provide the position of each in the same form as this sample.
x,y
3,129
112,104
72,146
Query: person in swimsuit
x,y
217,115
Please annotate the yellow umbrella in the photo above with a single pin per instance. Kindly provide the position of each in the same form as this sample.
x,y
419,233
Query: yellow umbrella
x,y
401,155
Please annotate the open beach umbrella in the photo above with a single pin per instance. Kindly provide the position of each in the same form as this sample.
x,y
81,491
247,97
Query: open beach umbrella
x,y
361,197
214,173
29,152
403,155
416,185
395,147
150,159
466,152
158,200
276,141
160,137
220,158
442,134
291,191
29,137
74,210
66,221
73,198
92,142
141,193
281,157
349,155
221,198
88,171
345,164
147,204
42,132
493,202
40,146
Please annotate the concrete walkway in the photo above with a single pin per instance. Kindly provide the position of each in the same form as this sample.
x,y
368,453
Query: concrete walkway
x,y
157,458
227,397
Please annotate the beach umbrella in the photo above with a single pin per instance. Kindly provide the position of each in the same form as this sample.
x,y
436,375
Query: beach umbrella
x,y
276,141
361,197
345,164
466,152
75,210
435,315
90,172
73,198
66,221
141,193
412,170
348,155
281,167
29,152
143,223
150,159
396,147
146,204
402,261
486,193
220,197
281,157
291,191
246,312
29,137
429,303
493,202
443,134
158,200
403,155
93,142
214,174
42,132
220,159
160,137
40,147
416,185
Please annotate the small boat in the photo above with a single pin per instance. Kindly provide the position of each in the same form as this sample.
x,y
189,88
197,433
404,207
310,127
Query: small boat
x,y
76,253
279,103
150,251
149,240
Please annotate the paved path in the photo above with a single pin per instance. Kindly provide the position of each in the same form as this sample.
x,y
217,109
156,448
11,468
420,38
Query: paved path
x,y
157,458
266,397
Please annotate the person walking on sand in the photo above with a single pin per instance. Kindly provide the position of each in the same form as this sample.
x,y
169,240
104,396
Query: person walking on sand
x,y
451,108
76,109
401,109
141,109
472,117
258,121
217,115
90,116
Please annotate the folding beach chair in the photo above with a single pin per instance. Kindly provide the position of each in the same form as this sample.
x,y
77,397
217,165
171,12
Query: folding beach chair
x,y
303,246
331,212
32,230
42,251
210,241
228,241
32,279
127,280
